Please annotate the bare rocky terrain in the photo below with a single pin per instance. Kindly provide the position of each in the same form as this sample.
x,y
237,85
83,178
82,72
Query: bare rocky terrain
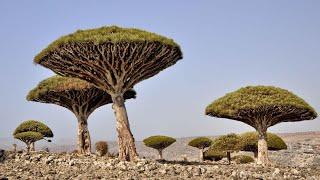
x,y
300,161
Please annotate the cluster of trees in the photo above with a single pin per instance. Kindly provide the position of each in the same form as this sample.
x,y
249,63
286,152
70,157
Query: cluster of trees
x,y
101,66
221,146
224,145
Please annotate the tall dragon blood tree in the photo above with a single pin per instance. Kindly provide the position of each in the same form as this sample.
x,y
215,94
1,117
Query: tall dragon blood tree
x,y
261,107
114,59
79,96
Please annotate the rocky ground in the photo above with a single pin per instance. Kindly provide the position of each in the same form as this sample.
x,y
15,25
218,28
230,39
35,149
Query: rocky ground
x,y
300,161
72,166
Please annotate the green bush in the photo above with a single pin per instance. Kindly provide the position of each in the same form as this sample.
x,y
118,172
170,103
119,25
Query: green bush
x,y
200,142
159,142
213,155
243,159
34,126
250,142
101,148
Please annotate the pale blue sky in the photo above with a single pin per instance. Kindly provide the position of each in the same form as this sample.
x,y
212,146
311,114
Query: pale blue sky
x,y
226,45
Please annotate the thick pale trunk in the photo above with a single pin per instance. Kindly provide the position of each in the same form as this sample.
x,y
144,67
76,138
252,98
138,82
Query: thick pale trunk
x,y
160,154
32,147
229,157
127,148
263,149
84,141
201,155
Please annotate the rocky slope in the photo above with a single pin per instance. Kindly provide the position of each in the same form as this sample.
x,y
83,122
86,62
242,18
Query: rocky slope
x,y
71,166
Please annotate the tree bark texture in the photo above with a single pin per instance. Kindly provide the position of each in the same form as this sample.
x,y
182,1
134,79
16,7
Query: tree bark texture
x,y
28,146
127,148
229,157
263,149
160,154
201,155
32,147
84,141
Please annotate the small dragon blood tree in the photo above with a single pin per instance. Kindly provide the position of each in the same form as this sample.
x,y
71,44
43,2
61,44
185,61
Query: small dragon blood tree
x,y
201,143
227,144
261,107
159,143
79,96
114,59
31,131
250,142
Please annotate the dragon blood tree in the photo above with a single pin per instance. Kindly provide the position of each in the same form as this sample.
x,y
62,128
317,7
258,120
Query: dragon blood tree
x,y
201,143
114,59
261,107
79,96
159,143
31,131
227,144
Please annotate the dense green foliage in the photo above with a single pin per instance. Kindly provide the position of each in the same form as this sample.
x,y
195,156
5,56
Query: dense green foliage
x,y
64,84
253,97
243,159
58,84
227,143
102,147
213,155
29,136
159,142
102,35
250,141
34,126
200,142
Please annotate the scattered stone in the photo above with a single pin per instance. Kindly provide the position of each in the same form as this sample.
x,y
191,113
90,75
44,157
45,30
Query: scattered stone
x,y
72,166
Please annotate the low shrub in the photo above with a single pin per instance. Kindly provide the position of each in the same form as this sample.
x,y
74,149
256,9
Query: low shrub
x,y
243,159
101,148
213,155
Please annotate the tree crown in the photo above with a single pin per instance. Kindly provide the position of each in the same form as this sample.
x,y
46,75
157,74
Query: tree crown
x,y
29,136
200,142
159,142
33,126
261,100
227,143
113,34
58,83
250,141
57,86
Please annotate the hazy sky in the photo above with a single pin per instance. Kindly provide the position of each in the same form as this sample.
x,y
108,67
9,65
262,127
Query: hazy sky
x,y
226,45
